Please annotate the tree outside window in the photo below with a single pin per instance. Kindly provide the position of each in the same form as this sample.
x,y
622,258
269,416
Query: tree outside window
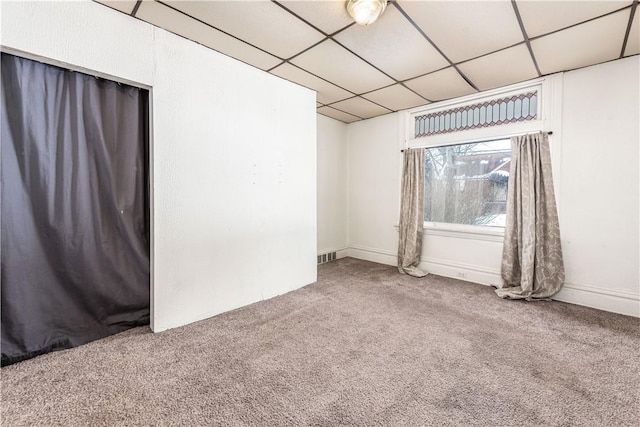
x,y
467,183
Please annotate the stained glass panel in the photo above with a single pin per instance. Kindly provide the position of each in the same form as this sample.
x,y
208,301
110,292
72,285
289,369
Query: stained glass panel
x,y
511,109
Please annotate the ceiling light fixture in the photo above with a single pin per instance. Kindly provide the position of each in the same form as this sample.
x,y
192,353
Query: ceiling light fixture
x,y
365,12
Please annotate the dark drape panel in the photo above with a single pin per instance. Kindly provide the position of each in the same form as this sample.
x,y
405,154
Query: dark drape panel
x,y
75,208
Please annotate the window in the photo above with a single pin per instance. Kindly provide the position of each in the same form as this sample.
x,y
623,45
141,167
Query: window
x,y
516,108
467,183
468,153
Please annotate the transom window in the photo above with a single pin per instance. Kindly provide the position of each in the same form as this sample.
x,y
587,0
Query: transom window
x,y
510,109
467,183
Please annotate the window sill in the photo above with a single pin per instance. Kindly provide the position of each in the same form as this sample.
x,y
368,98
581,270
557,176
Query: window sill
x,y
460,231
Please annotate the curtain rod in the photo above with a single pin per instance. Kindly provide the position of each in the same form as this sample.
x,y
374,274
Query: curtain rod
x,y
488,140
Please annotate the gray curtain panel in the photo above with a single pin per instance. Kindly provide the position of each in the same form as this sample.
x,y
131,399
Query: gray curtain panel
x,y
532,264
411,213
75,208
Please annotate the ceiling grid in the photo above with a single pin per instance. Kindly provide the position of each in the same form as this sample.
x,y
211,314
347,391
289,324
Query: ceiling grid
x,y
526,37
417,52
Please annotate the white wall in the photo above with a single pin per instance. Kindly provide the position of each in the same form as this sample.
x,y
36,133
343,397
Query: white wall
x,y
599,185
233,162
375,164
332,186
374,187
595,154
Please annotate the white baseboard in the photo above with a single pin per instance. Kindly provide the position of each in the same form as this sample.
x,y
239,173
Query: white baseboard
x,y
616,301
461,271
621,302
468,272
380,256
342,253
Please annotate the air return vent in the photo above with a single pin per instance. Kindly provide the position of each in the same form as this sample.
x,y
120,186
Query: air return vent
x,y
331,256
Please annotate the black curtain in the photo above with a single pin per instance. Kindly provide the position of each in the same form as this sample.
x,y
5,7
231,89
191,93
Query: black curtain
x,y
75,208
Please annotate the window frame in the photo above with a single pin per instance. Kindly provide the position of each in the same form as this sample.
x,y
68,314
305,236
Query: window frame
x,y
548,90
468,228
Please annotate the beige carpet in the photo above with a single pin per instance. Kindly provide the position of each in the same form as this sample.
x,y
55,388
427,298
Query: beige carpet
x,y
363,346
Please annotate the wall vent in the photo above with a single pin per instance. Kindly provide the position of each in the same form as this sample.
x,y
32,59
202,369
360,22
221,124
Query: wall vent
x,y
331,256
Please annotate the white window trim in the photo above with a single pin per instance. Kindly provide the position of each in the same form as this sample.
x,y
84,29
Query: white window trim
x,y
478,134
462,231
549,90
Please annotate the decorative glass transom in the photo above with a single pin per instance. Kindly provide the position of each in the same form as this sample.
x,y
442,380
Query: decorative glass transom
x,y
511,109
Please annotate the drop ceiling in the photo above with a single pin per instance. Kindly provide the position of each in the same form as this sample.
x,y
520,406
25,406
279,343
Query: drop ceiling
x,y
416,53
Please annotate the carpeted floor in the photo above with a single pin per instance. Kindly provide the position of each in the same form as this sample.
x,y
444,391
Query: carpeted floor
x,y
363,346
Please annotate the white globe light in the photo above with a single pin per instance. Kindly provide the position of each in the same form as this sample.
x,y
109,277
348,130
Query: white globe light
x,y
365,12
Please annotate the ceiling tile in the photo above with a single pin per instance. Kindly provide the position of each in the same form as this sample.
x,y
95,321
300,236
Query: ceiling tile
x,y
501,68
586,44
443,84
178,23
408,56
327,92
466,29
125,6
396,97
542,17
262,23
328,16
360,107
367,61
633,43
338,115
336,64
